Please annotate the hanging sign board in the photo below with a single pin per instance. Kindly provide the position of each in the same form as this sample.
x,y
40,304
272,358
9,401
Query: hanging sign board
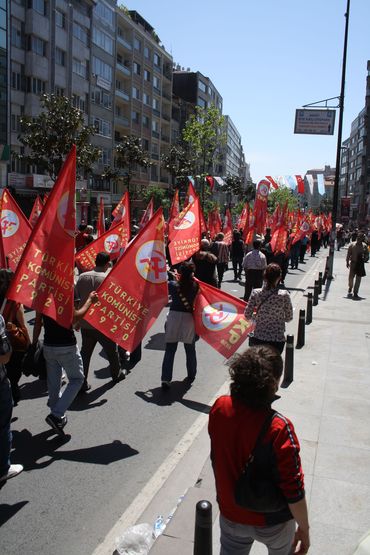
x,y
314,122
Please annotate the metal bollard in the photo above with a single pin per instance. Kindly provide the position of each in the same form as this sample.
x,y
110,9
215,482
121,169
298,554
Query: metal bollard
x,y
301,329
309,309
320,283
289,360
316,293
203,528
326,271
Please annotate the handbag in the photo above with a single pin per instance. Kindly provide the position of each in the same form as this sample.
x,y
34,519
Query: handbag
x,y
256,489
17,334
33,362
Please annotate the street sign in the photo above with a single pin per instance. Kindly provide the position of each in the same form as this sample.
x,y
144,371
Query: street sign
x,y
314,122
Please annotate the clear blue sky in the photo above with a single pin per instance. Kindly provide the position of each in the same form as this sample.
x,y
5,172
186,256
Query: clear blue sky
x,y
267,58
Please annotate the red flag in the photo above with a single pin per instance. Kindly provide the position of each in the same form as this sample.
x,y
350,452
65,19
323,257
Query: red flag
x,y
184,233
148,214
243,217
36,211
15,230
303,229
100,226
272,181
203,225
111,242
300,183
279,239
43,280
133,294
211,182
214,223
249,228
219,319
190,195
260,205
122,211
227,229
175,206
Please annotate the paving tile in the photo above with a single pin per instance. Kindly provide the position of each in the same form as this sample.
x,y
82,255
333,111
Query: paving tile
x,y
347,389
351,464
332,540
306,425
166,545
343,431
357,410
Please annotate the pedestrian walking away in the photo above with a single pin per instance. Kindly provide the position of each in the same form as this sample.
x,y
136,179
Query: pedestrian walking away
x,y
357,254
270,307
220,249
243,425
61,353
254,264
205,264
179,325
237,254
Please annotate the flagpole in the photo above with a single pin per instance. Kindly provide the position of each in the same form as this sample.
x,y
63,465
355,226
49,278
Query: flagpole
x,y
339,145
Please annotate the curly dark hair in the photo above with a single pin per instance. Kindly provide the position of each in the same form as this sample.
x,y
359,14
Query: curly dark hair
x,y
254,375
271,274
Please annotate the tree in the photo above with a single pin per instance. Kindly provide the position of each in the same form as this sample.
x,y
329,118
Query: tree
x,y
204,136
49,137
129,155
282,196
178,164
159,194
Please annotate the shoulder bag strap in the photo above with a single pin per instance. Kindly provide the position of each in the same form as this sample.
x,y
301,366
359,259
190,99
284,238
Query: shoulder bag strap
x,y
262,433
263,301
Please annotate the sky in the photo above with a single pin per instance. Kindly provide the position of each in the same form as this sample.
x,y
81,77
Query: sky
x,y
267,58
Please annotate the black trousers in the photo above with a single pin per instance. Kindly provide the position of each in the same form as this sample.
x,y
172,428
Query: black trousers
x,y
90,337
253,280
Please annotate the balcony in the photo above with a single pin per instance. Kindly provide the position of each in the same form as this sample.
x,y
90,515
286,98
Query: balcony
x,y
155,134
123,69
122,120
165,138
124,42
156,112
166,117
166,95
123,94
154,156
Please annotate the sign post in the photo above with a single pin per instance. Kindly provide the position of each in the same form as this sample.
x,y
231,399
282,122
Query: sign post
x,y
314,122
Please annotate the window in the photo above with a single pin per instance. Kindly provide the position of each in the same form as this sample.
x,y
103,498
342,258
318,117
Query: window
x,y
135,116
102,69
35,86
156,104
156,82
37,45
17,34
202,86
40,6
146,122
78,102
59,91
79,67
60,19
102,11
103,98
147,75
80,33
146,98
102,127
145,144
157,60
146,53
60,57
155,126
16,122
202,102
137,44
137,68
102,40
105,156
136,93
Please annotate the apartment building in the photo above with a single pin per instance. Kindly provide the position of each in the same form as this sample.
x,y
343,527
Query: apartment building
x,y
110,62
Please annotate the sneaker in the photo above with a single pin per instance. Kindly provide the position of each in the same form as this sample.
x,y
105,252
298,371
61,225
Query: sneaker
x,y
13,471
57,423
166,386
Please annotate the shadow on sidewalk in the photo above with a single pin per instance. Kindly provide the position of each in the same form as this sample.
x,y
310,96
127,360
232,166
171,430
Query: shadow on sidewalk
x,y
173,395
8,511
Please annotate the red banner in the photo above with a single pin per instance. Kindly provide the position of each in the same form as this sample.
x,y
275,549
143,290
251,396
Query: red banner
x,y
190,195
184,233
279,240
227,229
219,319
44,277
243,217
175,206
260,205
214,223
272,181
100,226
133,294
300,183
122,211
304,229
15,230
211,182
36,211
148,214
112,242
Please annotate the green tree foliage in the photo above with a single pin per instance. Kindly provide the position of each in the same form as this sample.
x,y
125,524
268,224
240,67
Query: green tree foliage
x,y
179,164
282,196
159,194
129,155
204,136
49,137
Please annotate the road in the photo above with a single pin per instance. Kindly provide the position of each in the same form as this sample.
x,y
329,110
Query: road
x,y
74,490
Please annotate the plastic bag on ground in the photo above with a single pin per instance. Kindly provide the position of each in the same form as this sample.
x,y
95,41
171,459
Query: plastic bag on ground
x,y
136,540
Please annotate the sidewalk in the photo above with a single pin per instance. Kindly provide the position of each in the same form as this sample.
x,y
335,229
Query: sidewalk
x,y
329,405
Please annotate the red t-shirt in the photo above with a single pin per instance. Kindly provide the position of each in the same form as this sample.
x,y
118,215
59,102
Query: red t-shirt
x,y
233,428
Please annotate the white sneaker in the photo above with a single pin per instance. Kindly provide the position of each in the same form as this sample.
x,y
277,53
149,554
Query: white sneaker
x,y
13,471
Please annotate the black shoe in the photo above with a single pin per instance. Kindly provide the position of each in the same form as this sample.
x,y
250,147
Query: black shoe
x,y
189,380
355,296
57,423
165,386
84,388
121,376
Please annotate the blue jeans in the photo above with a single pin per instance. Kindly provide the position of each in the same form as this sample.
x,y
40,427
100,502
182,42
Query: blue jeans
x,y
6,410
169,357
61,358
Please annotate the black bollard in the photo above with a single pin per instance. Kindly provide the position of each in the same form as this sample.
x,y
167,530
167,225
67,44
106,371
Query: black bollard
x,y
316,293
203,528
289,361
320,283
325,277
301,330
309,309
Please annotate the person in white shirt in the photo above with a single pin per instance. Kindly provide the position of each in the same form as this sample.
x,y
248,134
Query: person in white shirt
x,y
254,264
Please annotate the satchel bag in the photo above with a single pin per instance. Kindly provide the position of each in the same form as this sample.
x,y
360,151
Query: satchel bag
x,y
17,334
256,489
33,362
